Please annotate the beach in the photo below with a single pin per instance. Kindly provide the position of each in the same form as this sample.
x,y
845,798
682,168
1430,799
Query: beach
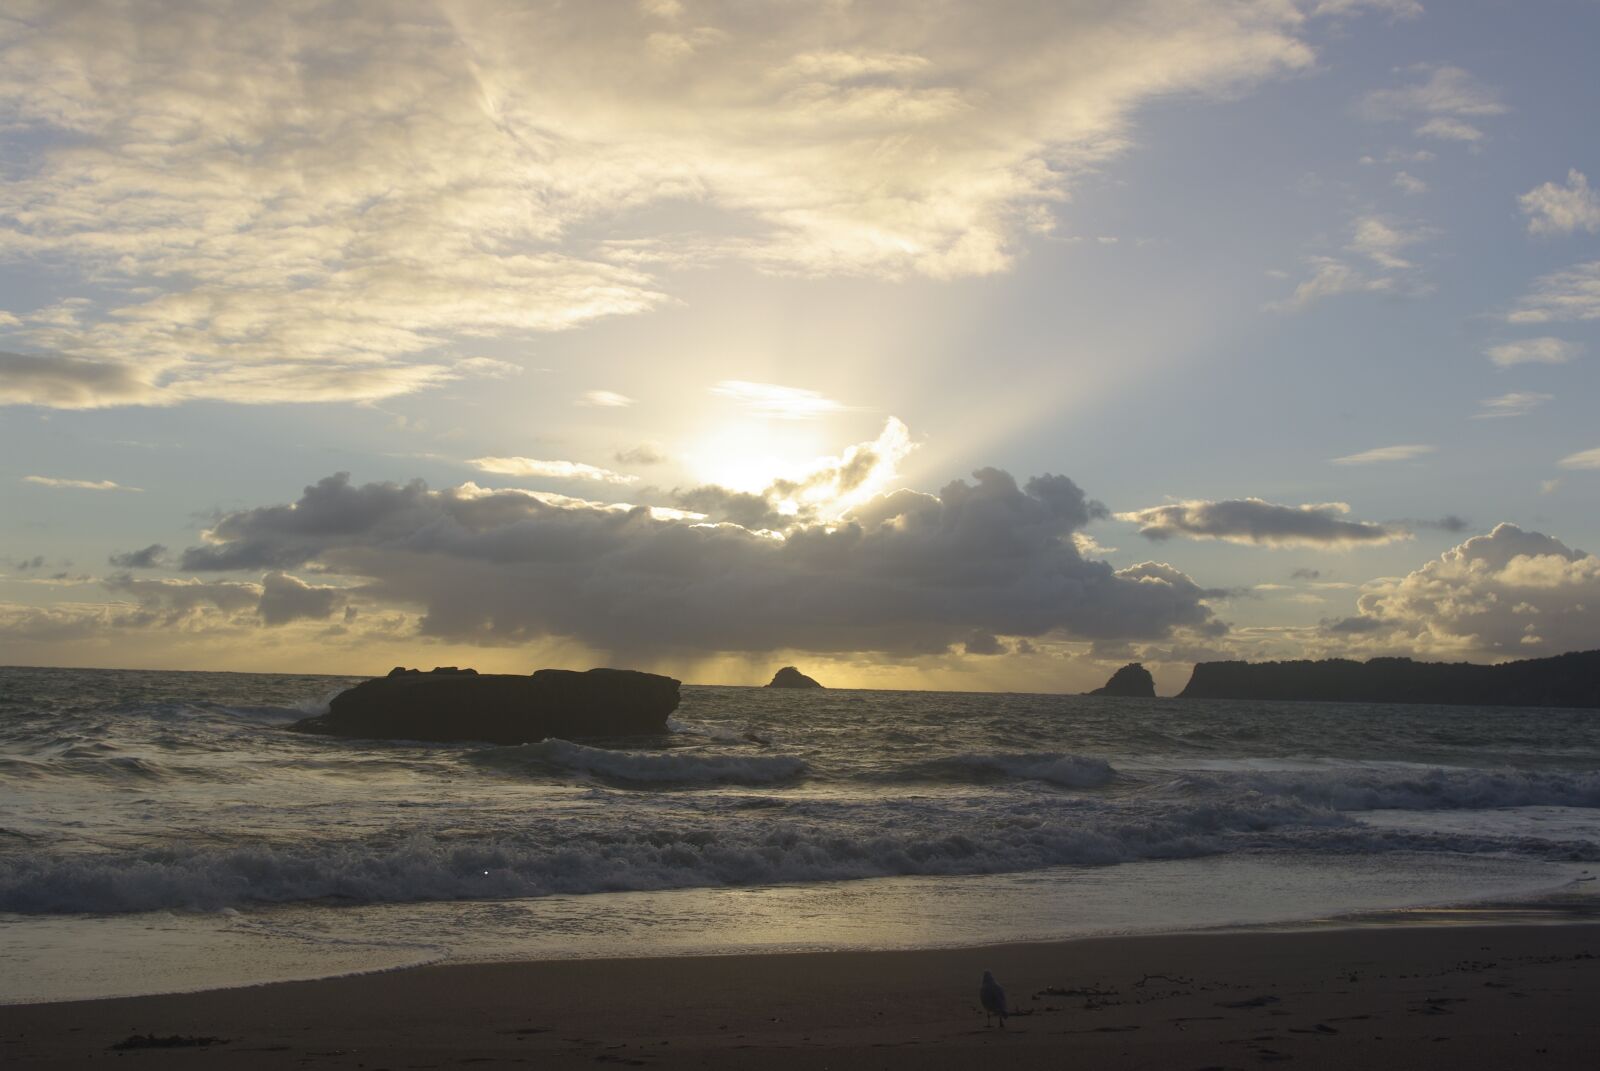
x,y
1467,995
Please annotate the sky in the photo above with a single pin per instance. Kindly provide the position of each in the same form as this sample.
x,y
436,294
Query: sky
x,y
926,345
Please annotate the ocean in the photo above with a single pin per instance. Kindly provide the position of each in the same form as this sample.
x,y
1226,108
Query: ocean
x,y
162,831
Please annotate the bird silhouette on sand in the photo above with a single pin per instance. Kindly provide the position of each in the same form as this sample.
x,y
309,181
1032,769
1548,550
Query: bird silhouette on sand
x,y
994,1000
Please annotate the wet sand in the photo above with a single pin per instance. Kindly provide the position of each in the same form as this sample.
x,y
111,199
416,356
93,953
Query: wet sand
x,y
1445,996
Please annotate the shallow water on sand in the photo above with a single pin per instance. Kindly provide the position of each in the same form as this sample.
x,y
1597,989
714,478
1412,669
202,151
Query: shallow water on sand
x,y
168,822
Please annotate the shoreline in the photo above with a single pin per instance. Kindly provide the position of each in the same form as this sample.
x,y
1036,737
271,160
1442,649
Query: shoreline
x,y
1462,994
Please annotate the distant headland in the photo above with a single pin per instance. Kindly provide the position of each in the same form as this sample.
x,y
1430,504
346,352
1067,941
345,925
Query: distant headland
x,y
1568,680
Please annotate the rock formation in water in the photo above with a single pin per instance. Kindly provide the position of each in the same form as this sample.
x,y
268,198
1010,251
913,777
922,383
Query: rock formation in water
x,y
501,708
789,677
1132,680
1569,680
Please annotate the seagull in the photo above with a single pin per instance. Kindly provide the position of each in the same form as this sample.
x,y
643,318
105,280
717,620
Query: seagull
x,y
993,998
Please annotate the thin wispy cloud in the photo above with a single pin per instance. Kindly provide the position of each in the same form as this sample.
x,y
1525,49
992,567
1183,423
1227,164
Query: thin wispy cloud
x,y
1514,404
78,485
1408,183
1583,459
1385,455
777,401
1542,350
1444,102
262,226
1255,521
554,470
1555,209
604,399
1569,295
1380,240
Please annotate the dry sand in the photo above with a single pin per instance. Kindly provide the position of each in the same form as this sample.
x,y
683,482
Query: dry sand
x,y
1458,997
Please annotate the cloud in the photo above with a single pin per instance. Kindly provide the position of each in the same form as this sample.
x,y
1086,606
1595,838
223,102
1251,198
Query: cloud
x,y
1399,9
773,400
285,598
69,382
1254,521
1332,276
78,485
1408,183
1448,523
648,453
170,600
1515,404
1441,104
1543,350
1573,294
604,399
555,470
151,557
1384,455
1508,594
1380,240
907,574
1306,574
273,217
1553,209
1583,459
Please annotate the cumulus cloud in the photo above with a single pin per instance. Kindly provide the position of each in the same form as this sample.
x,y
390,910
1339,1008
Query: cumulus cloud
x,y
1573,294
1554,209
152,557
78,485
1445,103
1508,594
328,202
1385,454
555,470
774,400
1515,404
285,598
1254,521
906,574
1543,350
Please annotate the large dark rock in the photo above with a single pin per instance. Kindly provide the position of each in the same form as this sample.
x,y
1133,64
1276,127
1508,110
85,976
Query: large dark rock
x,y
789,677
1132,680
1569,680
501,708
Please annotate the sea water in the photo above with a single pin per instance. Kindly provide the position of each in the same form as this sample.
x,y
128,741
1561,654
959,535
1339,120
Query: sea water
x,y
163,831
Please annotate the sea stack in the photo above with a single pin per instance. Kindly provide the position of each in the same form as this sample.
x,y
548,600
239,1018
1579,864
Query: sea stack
x,y
1132,681
500,708
789,677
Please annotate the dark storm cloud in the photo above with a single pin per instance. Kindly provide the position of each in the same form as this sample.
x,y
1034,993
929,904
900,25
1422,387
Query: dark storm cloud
x,y
907,573
67,382
1252,520
151,557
